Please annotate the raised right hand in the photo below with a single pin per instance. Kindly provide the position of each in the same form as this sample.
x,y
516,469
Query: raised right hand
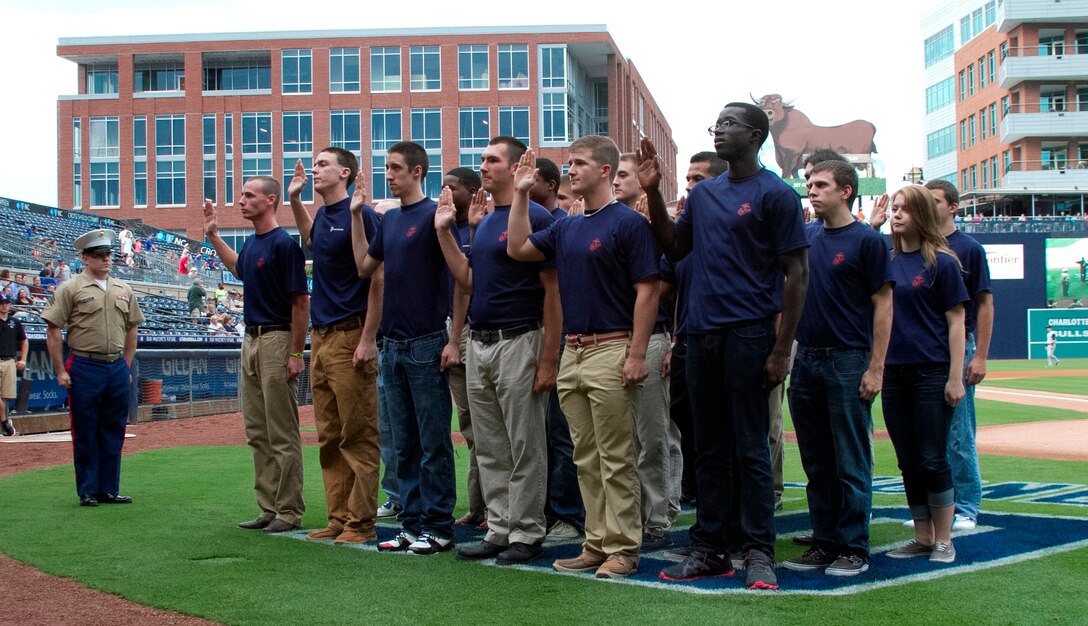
x,y
298,182
358,198
525,175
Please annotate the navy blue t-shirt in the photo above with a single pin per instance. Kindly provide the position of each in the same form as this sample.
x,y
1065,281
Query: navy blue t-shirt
x,y
339,293
417,281
464,235
599,258
505,292
976,271
738,229
273,269
679,276
558,213
921,297
847,266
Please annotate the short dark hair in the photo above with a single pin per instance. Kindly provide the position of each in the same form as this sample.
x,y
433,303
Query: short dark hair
x,y
602,150
467,176
824,154
549,171
414,155
717,165
346,159
269,187
951,194
754,117
843,173
514,147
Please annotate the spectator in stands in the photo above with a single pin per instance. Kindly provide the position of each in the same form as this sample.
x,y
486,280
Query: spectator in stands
x,y
185,261
196,297
13,348
23,299
215,325
229,327
221,295
17,286
47,269
234,302
63,272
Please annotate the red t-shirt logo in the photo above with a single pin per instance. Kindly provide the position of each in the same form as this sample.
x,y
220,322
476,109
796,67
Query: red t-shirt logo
x,y
260,262
411,231
839,258
918,281
744,209
502,237
594,245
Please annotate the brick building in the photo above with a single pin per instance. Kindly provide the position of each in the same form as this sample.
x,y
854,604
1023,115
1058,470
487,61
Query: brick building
x,y
162,121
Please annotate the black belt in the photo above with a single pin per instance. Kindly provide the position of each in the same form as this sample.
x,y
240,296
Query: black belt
x,y
349,324
659,328
495,336
7,358
98,356
256,330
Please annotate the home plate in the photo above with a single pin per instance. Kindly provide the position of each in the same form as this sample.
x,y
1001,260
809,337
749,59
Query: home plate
x,y
61,437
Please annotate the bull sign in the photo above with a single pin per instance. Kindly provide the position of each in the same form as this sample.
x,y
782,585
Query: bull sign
x,y
795,135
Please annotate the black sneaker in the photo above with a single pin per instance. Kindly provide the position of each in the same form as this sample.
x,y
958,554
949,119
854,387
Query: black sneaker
x,y
482,550
519,553
8,428
804,540
847,565
760,568
653,540
679,553
814,559
697,565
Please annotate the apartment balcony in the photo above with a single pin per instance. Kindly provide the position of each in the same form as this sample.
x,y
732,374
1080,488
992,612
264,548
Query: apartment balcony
x,y
1012,13
1050,176
1042,121
1040,64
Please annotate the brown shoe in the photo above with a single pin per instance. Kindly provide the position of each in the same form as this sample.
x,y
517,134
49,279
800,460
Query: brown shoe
x,y
279,526
617,566
256,524
468,519
581,563
354,536
324,533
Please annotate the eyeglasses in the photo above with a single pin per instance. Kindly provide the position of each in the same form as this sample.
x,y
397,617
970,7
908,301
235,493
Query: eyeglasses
x,y
725,125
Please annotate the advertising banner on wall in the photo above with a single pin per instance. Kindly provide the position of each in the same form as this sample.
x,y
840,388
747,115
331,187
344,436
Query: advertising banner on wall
x,y
1071,326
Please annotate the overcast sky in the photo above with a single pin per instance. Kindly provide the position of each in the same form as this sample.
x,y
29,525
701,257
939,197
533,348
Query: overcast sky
x,y
837,60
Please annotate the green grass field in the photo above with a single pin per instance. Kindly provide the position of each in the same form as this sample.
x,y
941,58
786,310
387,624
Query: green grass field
x,y
177,548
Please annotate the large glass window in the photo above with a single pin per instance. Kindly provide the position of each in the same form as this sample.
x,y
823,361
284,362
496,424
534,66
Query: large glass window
x,y
228,163
972,129
298,144
105,184
297,71
554,117
385,130
170,182
102,79
993,119
981,72
963,134
384,70
344,130
256,145
1052,100
474,131
982,126
971,80
237,73
426,68
472,67
343,70
553,67
77,162
170,135
139,183
165,76
1052,46
939,46
976,21
941,142
170,159
105,161
963,85
139,165
991,66
940,94
990,9
513,66
427,132
209,138
105,140
514,121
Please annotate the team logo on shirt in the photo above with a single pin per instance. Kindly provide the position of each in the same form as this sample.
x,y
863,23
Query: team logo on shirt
x,y
411,231
502,236
839,258
744,209
260,262
918,281
595,245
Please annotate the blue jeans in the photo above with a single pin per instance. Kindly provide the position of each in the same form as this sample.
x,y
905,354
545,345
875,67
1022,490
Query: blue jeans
x,y
731,417
962,454
918,421
833,424
388,450
564,501
417,401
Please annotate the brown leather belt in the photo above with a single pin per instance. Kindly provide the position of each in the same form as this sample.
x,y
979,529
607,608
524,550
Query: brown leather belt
x,y
349,324
97,356
592,339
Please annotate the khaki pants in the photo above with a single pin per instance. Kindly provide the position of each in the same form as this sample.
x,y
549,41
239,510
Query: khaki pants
x,y
601,414
511,438
270,415
346,413
652,429
459,392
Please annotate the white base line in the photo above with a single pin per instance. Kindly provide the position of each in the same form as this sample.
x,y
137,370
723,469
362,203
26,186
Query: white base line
x,y
1023,394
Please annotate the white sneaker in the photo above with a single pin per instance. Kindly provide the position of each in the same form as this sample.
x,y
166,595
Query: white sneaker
x,y
430,543
962,522
909,523
563,530
389,509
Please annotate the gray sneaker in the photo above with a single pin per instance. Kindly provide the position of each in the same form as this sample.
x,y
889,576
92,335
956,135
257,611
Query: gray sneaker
x,y
942,553
563,530
847,565
8,428
912,550
760,571
814,559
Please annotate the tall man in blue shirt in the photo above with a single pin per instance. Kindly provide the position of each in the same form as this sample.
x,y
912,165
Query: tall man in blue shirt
x,y
345,313
745,234
839,368
416,348
606,261
277,312
511,361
